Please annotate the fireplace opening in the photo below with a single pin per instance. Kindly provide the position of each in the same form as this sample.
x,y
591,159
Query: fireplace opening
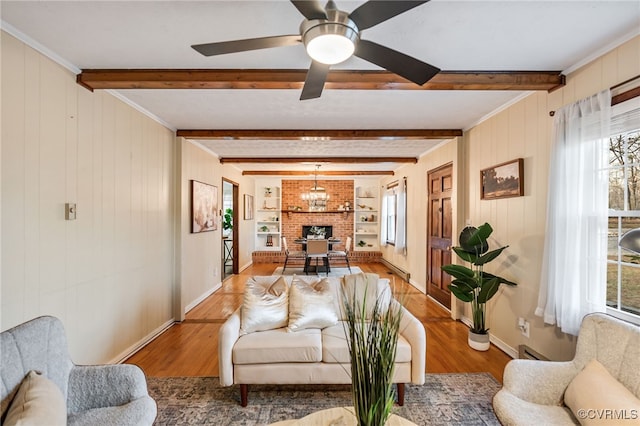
x,y
327,230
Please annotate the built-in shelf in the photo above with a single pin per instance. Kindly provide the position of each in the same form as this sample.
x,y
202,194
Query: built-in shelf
x,y
366,207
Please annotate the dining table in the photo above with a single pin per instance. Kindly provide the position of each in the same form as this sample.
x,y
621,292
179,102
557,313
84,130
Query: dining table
x,y
317,269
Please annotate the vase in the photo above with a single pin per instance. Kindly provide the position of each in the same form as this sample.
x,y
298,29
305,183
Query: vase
x,y
479,342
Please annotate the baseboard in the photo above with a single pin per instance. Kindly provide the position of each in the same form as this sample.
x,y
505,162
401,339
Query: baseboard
x,y
437,302
419,286
141,343
243,267
199,300
504,347
396,270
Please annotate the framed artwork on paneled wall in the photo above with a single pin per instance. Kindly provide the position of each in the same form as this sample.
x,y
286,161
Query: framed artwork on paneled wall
x,y
204,207
503,180
248,207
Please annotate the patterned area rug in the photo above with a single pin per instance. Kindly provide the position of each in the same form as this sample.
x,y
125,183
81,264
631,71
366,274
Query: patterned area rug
x,y
335,272
445,399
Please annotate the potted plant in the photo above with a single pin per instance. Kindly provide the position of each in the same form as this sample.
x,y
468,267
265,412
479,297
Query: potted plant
x,y
473,284
372,338
227,222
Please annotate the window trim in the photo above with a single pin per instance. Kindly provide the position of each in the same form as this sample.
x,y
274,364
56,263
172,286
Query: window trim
x,y
618,109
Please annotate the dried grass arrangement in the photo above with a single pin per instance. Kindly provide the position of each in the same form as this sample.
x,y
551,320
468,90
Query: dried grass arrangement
x,y
372,337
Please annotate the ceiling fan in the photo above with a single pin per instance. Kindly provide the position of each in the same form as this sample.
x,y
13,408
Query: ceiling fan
x,y
332,36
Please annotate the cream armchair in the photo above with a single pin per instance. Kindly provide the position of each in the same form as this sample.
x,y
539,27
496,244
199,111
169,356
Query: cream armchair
x,y
534,391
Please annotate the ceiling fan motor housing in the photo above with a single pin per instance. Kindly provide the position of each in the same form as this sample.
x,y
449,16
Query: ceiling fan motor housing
x,y
337,26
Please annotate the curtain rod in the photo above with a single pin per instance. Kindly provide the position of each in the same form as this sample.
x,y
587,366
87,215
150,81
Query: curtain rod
x,y
620,97
396,183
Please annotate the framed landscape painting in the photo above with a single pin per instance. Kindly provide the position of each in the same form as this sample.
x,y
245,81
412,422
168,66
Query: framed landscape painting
x,y
204,207
502,181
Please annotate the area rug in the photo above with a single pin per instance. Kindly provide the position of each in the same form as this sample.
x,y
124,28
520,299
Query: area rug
x,y
445,399
335,272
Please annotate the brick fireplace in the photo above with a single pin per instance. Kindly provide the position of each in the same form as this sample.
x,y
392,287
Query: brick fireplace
x,y
292,221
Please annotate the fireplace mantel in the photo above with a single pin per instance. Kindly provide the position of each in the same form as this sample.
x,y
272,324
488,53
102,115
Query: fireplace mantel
x,y
345,212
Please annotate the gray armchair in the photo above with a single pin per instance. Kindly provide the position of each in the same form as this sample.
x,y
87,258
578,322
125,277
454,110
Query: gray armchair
x,y
533,391
102,394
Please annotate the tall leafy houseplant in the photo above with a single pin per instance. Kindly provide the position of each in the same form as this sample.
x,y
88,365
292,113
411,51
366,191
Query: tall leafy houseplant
x,y
372,337
472,284
227,220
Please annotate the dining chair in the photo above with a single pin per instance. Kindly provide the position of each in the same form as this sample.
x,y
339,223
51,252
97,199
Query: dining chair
x,y
342,253
317,249
296,254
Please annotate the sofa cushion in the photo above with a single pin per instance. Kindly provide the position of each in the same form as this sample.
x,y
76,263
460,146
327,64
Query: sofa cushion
x,y
311,304
265,304
336,350
39,401
594,389
365,288
275,346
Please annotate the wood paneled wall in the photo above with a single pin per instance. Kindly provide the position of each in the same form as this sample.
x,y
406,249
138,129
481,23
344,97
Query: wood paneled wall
x,y
108,275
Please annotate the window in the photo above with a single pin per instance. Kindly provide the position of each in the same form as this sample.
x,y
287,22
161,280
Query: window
x,y
391,200
623,267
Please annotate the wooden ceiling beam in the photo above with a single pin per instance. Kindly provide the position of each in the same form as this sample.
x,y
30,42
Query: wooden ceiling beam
x,y
318,160
325,173
320,134
294,79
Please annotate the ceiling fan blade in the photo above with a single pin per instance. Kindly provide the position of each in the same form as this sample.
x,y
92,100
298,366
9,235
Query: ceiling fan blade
x,y
223,47
375,11
314,83
405,66
311,9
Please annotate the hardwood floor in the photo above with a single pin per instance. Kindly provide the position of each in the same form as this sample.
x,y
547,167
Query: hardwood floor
x,y
190,348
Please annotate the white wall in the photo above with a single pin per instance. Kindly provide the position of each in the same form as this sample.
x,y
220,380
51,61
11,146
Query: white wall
x,y
109,274
201,253
415,262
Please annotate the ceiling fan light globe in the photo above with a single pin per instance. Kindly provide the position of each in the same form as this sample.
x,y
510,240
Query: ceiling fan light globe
x,y
330,49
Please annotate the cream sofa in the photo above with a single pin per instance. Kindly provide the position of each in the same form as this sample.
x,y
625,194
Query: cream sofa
x,y
538,392
314,355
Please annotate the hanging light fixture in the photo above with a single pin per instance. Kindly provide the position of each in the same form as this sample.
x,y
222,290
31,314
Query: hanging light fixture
x,y
317,196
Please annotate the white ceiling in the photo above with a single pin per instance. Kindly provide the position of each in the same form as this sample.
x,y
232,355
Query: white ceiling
x,y
452,35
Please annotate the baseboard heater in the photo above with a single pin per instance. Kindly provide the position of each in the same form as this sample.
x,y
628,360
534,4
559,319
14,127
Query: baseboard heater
x,y
525,352
398,271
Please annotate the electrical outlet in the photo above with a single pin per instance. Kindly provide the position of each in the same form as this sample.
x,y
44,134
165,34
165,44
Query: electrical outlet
x,y
215,271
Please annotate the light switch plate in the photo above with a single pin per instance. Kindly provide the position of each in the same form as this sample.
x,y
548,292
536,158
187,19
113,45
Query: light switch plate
x,y
70,211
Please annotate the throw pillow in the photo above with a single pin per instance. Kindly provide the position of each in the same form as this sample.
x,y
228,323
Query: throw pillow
x,y
311,304
265,304
595,397
38,401
362,291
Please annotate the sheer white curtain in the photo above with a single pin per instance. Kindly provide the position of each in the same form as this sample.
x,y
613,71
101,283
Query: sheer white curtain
x,y
401,217
383,218
574,269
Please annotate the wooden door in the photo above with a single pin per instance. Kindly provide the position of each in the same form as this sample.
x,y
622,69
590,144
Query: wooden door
x,y
439,229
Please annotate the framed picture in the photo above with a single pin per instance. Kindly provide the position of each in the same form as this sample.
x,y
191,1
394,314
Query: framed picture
x,y
502,181
248,207
204,207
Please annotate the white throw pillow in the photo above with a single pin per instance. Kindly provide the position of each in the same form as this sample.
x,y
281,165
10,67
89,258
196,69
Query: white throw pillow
x,y
311,304
595,397
38,402
362,291
265,304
